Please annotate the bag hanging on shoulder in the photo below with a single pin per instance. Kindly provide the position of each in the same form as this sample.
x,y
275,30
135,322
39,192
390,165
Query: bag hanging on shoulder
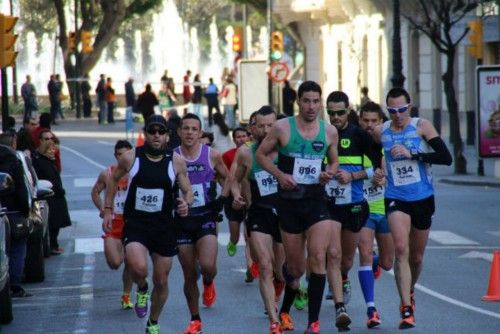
x,y
20,226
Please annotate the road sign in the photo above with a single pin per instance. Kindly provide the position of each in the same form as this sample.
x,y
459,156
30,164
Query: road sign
x,y
278,72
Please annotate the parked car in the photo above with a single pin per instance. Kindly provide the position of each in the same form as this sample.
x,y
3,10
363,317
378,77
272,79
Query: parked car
x,y
6,186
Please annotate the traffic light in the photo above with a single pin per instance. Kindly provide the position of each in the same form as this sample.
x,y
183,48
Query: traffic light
x,y
7,40
72,41
86,37
276,45
476,39
238,39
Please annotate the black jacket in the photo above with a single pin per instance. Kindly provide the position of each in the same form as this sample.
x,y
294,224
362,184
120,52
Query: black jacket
x,y
19,200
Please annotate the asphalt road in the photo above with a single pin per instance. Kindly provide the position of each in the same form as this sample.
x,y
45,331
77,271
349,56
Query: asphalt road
x,y
81,295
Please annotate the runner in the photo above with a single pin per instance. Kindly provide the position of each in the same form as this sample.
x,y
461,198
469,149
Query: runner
x,y
345,193
371,115
113,241
409,194
149,226
259,194
302,143
197,239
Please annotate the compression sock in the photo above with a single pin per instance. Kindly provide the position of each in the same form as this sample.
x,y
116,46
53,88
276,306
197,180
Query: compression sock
x,y
288,299
315,292
367,282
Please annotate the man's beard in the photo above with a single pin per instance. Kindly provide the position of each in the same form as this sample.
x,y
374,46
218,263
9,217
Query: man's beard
x,y
154,151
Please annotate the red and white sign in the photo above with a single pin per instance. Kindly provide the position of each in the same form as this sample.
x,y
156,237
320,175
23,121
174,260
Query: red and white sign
x,y
278,72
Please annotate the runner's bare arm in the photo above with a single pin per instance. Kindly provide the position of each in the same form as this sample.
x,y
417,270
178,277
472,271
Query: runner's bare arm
x,y
186,199
238,174
332,153
221,169
99,186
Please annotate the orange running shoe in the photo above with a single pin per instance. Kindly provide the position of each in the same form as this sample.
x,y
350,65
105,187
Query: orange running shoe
x,y
126,303
209,294
373,318
254,269
194,327
407,318
313,328
286,322
275,328
278,288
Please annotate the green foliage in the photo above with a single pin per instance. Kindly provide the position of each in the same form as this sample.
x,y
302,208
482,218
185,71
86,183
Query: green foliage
x,y
260,5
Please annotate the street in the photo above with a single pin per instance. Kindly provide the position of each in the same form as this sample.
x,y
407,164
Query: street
x,y
82,295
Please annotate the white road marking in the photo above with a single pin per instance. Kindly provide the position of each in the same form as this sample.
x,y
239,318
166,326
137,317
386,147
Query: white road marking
x,y
86,294
478,255
88,245
450,238
107,143
91,134
87,182
92,162
495,233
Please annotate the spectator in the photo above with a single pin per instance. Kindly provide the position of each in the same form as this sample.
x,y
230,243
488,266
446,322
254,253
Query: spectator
x,y
28,92
222,140
186,90
289,98
111,100
173,124
18,202
25,140
196,99
46,169
146,102
11,123
130,94
207,138
165,98
212,96
60,97
101,99
229,94
87,102
55,103
44,124
364,97
164,78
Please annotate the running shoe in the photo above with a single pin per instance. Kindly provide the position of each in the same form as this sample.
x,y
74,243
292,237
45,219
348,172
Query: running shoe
x,y
312,328
346,288
275,328
141,305
278,289
373,317
194,327
254,269
342,319
152,329
248,276
329,294
126,303
231,248
407,318
301,299
286,322
209,294
377,270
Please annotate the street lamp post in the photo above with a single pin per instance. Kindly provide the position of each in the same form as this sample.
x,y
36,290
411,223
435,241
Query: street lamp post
x,y
398,79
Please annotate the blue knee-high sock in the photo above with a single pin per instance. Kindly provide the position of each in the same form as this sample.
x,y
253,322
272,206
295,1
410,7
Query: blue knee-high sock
x,y
367,282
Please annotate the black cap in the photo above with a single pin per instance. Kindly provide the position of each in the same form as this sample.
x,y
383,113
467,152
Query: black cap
x,y
156,120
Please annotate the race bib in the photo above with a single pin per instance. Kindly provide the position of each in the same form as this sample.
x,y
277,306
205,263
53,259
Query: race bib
x,y
148,200
198,195
306,171
341,192
372,192
267,183
119,202
405,172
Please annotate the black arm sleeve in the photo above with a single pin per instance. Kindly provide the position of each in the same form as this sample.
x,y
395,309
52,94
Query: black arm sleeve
x,y
440,156
372,149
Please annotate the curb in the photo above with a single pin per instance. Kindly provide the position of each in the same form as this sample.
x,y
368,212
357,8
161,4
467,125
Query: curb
x,y
476,183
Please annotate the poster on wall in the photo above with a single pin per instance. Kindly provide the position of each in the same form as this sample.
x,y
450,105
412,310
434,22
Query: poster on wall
x,y
488,106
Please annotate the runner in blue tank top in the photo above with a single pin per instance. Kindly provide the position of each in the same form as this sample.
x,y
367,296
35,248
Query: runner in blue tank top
x,y
409,195
197,238
302,143
149,223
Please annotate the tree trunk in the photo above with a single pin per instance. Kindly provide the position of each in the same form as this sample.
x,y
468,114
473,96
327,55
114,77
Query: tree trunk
x,y
452,105
69,70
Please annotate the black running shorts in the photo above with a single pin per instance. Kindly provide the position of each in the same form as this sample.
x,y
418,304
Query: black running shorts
x,y
157,237
263,220
420,212
193,228
352,216
297,215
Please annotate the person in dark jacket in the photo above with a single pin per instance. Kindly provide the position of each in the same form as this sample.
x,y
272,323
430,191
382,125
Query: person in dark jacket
x,y
146,102
289,98
130,94
18,202
87,101
58,207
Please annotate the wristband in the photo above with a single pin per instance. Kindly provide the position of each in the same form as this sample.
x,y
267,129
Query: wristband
x,y
108,207
369,173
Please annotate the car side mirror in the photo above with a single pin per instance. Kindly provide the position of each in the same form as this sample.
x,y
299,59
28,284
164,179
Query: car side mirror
x,y
43,190
6,184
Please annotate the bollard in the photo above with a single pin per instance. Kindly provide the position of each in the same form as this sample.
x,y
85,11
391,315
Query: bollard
x,y
471,127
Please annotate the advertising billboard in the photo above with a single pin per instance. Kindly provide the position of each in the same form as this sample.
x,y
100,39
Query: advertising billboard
x,y
488,107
